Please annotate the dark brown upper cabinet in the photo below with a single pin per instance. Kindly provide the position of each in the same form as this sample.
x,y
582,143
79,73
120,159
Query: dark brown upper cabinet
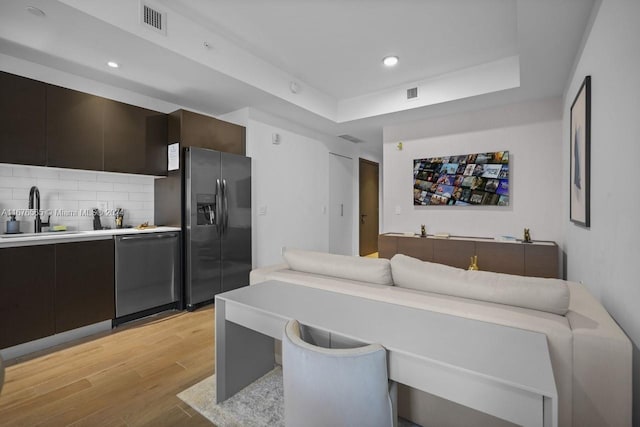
x,y
197,130
135,139
22,120
74,129
47,125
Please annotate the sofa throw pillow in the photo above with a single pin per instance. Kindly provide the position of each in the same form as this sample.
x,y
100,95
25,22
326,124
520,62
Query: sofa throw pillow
x,y
550,295
372,270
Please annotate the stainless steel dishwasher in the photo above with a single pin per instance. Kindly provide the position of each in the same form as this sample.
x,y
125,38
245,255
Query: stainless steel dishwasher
x,y
147,274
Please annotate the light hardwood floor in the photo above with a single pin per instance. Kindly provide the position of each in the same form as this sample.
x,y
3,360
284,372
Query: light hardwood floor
x,y
128,377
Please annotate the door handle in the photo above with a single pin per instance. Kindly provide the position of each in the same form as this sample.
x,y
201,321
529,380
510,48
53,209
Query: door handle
x,y
154,236
341,209
226,206
218,221
362,218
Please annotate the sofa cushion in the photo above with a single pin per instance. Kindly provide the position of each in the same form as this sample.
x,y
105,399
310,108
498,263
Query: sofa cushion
x,y
550,295
370,270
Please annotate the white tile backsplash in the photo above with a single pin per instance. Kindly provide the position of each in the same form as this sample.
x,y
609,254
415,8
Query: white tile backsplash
x,y
55,184
17,182
142,197
6,193
32,172
80,176
71,205
113,195
139,179
115,177
77,195
21,194
95,186
130,188
71,195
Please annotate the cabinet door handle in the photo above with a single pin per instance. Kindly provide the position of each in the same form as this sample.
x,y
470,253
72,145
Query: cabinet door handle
x,y
160,235
341,209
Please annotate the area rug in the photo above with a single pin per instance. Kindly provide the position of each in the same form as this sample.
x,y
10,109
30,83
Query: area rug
x,y
260,404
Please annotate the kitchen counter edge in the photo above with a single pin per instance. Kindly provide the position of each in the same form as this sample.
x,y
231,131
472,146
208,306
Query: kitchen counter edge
x,y
77,236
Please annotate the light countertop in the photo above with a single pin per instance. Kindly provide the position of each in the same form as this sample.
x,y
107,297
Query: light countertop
x,y
32,239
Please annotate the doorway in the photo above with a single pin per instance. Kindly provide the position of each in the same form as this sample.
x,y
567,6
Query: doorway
x,y
340,204
368,219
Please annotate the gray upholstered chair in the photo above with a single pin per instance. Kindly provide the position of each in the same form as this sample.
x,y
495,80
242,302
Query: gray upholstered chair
x,y
335,387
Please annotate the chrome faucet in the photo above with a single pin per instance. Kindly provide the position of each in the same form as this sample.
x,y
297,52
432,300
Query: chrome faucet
x,y
34,203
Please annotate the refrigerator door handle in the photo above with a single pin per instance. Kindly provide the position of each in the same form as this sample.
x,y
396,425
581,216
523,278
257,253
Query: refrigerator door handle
x,y
225,218
218,220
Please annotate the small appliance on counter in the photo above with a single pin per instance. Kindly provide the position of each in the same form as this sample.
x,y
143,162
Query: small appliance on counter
x,y
13,226
97,225
119,217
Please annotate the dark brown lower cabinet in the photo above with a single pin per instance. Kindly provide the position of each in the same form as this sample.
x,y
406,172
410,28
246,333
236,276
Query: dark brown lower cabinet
x,y
416,248
48,289
538,259
503,257
84,284
456,253
27,279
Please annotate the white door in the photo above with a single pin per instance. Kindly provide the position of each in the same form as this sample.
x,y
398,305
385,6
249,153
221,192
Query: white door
x,y
340,204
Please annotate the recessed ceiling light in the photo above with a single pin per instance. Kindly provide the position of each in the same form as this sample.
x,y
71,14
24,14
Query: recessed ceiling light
x,y
390,61
35,11
113,64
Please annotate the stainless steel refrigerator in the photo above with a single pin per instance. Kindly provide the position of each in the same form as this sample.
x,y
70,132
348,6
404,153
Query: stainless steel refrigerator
x,y
217,223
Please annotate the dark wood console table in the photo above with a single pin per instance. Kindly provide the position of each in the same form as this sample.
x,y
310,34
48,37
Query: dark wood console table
x,y
537,259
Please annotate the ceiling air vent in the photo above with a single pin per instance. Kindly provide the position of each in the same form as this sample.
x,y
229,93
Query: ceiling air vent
x,y
350,138
153,18
412,93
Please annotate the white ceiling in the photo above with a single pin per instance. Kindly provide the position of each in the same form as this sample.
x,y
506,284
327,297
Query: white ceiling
x,y
338,46
462,54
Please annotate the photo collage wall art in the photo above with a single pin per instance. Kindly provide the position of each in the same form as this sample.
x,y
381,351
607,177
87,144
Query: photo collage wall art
x,y
469,179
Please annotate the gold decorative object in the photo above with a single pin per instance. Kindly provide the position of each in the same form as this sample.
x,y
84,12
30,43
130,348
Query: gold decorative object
x,y
527,236
423,231
474,263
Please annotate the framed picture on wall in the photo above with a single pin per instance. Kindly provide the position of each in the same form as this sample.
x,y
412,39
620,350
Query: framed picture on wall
x,y
580,155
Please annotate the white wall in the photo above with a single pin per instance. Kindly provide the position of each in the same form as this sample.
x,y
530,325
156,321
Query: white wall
x,y
69,193
604,256
532,135
291,180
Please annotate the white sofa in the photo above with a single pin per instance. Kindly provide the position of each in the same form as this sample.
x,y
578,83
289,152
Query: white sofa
x,y
591,356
